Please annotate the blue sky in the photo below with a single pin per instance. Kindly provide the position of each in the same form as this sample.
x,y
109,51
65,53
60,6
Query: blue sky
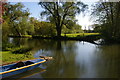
x,y
35,10
33,7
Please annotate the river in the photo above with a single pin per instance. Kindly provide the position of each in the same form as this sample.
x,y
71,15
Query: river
x,y
72,59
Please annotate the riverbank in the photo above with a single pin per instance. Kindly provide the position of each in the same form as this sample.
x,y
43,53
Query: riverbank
x,y
15,55
79,36
76,54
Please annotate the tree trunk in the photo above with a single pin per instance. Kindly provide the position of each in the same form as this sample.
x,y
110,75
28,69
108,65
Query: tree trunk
x,y
58,31
18,32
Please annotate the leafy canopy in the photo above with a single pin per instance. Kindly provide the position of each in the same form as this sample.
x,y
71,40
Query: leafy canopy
x,y
61,13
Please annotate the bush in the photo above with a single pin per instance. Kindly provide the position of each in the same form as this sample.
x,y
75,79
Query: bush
x,y
45,29
21,50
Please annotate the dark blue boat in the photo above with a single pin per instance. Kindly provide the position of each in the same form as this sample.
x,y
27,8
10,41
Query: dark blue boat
x,y
16,68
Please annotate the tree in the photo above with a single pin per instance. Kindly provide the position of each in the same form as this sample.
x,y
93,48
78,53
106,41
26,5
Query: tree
x,y
61,12
75,28
24,26
45,29
96,28
13,15
108,16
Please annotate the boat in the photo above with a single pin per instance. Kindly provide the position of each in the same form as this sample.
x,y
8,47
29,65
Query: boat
x,y
20,67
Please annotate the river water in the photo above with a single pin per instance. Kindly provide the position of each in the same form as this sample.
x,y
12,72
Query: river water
x,y
72,59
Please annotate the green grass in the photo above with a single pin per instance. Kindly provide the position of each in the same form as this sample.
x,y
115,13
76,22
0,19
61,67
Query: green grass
x,y
80,34
9,57
67,35
26,35
29,36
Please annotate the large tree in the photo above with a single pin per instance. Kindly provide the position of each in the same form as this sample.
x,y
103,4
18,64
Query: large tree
x,y
107,14
13,14
61,12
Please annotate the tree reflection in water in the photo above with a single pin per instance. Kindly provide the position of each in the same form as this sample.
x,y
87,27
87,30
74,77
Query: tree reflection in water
x,y
73,59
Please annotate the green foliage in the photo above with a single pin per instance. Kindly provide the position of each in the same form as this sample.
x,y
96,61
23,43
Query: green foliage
x,y
5,28
65,30
25,27
7,46
17,21
45,29
107,14
62,13
8,57
5,31
97,28
13,53
15,16
20,50
75,28
15,11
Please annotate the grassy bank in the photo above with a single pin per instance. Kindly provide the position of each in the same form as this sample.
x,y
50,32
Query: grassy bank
x,y
67,35
23,36
10,57
90,37
80,34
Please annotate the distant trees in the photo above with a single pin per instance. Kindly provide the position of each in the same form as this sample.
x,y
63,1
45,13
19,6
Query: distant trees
x,y
17,22
107,14
13,15
97,28
24,26
76,28
45,29
60,13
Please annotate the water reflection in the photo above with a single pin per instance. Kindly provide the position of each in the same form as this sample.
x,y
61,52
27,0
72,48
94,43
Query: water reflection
x,y
10,40
85,59
75,59
28,74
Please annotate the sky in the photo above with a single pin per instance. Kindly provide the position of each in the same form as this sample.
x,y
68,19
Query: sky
x,y
35,10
